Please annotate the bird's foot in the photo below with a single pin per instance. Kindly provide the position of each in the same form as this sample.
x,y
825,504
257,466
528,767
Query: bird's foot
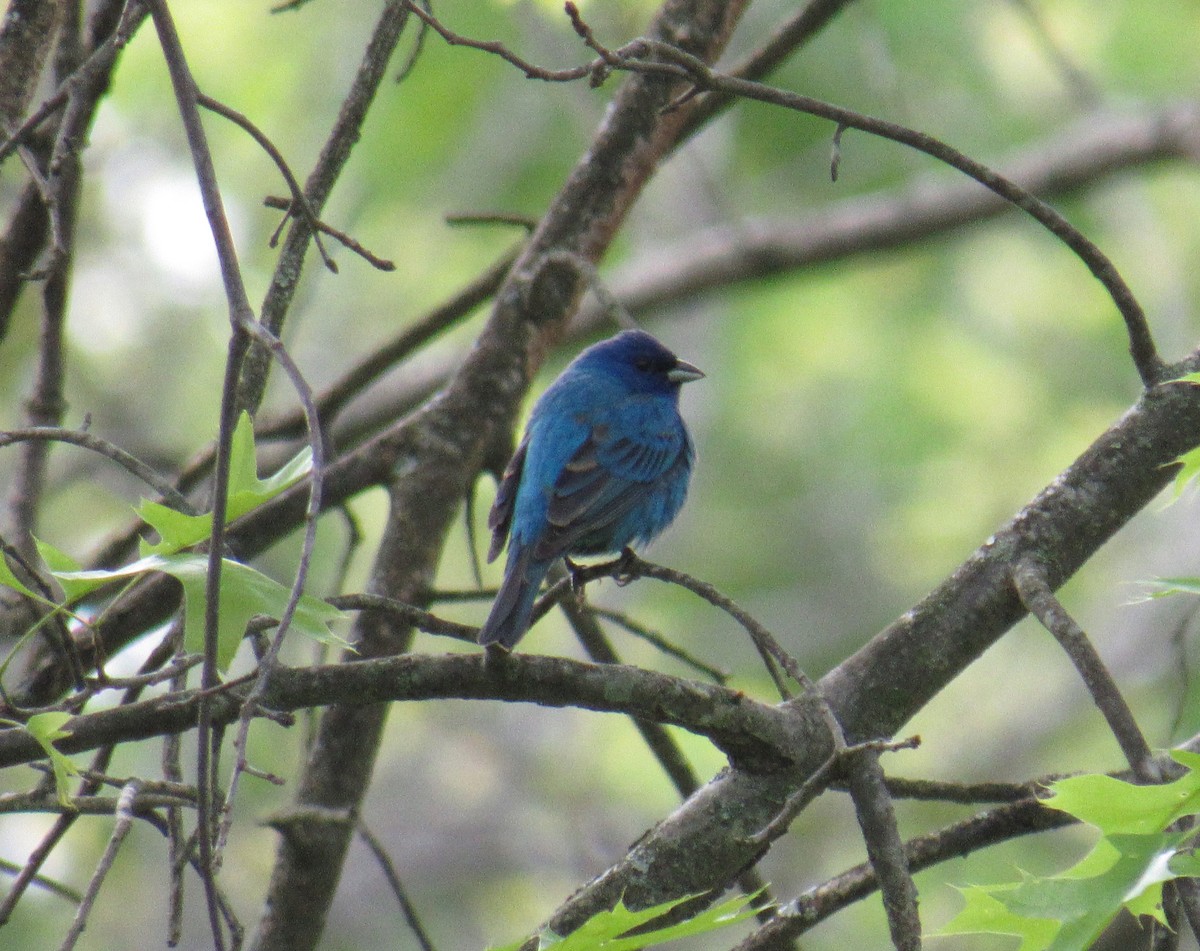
x,y
578,581
622,570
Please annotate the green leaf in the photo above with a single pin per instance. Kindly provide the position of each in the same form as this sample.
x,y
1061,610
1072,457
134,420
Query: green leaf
x,y
244,594
1067,912
246,490
177,530
75,583
1190,462
10,580
984,913
46,728
1126,869
609,930
1117,807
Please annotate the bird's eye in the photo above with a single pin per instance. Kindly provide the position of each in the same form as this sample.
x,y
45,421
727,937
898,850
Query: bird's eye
x,y
645,364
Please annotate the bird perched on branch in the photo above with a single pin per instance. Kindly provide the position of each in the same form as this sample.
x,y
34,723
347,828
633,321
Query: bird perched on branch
x,y
604,464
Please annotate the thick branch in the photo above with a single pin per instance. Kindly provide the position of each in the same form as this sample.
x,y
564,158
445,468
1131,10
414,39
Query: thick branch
x,y
759,735
25,38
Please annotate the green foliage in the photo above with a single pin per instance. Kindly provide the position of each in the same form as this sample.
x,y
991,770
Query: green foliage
x,y
1138,851
244,592
46,728
1168,586
609,930
177,530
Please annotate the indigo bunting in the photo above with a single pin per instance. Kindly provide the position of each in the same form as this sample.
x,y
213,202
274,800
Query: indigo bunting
x,y
604,464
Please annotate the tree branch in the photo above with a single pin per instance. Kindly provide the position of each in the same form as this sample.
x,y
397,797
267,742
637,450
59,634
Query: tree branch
x,y
756,734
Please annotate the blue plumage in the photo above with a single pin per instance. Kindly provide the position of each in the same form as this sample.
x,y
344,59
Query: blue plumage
x,y
604,464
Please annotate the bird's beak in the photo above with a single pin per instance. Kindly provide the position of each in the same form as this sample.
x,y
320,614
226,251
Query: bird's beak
x,y
684,372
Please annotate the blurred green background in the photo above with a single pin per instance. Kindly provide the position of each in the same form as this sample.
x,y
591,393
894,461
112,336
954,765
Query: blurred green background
x,y
864,426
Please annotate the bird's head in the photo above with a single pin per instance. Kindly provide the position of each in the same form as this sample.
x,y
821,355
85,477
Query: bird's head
x,y
640,362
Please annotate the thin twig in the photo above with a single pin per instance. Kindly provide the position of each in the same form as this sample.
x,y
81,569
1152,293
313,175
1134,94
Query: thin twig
x,y
66,892
125,812
48,803
662,59
491,218
240,316
497,48
630,566
885,849
86,440
268,661
932,790
345,134
407,909
173,772
1038,597
299,203
791,35
823,777
418,47
283,204
662,644
419,618
1149,364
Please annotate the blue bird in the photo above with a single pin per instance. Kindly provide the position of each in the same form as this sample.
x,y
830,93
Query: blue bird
x,y
604,464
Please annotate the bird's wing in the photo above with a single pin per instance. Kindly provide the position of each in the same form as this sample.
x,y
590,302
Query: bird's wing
x,y
501,515
610,473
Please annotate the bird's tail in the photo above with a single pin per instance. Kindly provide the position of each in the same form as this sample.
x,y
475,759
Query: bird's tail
x,y
513,607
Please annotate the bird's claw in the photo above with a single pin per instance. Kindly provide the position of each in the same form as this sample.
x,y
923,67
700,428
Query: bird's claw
x,y
622,570
578,581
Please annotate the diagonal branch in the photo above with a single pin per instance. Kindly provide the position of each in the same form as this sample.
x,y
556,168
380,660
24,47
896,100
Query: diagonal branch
x,y
1038,598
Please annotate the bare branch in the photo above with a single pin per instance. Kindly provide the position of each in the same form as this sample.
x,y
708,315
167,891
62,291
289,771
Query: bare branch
x,y
1039,599
283,204
103,447
411,918
756,734
125,815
